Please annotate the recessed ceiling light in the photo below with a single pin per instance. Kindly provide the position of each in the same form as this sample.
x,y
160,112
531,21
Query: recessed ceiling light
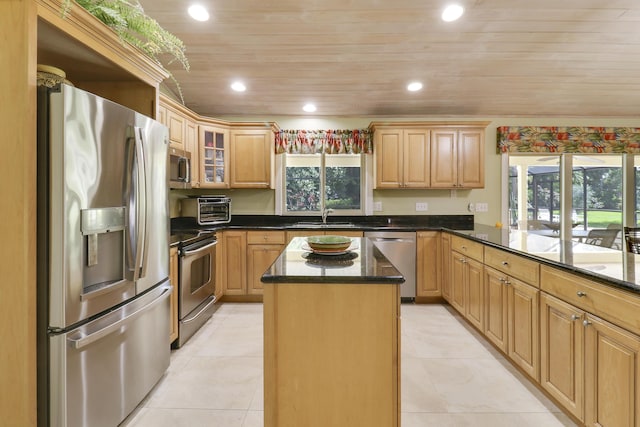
x,y
414,86
199,13
309,108
238,86
452,12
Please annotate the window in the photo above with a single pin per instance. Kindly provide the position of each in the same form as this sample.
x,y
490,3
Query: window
x,y
595,196
313,182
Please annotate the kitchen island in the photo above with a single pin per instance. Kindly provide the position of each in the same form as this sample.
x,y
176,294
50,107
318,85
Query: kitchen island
x,y
332,338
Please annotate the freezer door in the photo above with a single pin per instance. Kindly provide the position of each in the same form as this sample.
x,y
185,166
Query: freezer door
x,y
101,371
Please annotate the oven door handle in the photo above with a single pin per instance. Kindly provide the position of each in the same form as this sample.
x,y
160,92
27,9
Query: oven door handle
x,y
202,249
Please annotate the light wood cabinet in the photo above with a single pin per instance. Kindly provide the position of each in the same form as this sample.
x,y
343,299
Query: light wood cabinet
x,y
474,293
511,319
457,158
467,291
177,129
252,157
332,354
247,255
402,158
191,145
213,158
235,262
173,300
445,272
523,326
562,353
428,261
512,308
612,375
263,247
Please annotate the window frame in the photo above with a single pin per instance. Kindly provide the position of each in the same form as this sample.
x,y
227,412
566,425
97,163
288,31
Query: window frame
x,y
629,195
364,192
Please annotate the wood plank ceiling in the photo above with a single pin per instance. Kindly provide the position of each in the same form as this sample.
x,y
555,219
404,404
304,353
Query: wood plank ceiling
x,y
563,58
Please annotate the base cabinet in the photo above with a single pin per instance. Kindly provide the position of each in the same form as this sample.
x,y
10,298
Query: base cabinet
x,y
562,353
467,291
427,264
612,375
263,247
234,244
247,255
445,268
511,318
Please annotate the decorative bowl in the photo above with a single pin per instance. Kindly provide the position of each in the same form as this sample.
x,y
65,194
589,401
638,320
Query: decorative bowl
x,y
329,243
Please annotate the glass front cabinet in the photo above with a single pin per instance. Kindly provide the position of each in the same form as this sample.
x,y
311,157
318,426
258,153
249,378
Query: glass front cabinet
x,y
214,163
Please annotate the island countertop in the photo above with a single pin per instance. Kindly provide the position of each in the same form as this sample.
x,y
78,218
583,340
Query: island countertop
x,y
362,263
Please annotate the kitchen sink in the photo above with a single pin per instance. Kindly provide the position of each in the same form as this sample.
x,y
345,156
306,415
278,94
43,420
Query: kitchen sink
x,y
318,224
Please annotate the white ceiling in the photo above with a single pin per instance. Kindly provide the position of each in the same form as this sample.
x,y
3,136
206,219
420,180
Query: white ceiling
x,y
563,58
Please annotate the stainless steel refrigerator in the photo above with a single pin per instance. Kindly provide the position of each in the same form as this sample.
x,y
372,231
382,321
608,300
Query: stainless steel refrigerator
x,y
102,257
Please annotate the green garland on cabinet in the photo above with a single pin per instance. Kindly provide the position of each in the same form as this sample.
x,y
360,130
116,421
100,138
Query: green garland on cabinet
x,y
128,20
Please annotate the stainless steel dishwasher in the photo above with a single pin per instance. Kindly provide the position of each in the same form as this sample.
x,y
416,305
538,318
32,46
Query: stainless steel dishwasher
x,y
400,248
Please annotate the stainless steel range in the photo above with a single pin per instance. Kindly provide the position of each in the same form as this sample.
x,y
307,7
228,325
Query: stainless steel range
x,y
196,281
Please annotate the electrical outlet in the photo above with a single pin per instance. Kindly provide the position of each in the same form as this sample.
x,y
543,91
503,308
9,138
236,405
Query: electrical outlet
x,y
377,206
471,207
420,207
482,207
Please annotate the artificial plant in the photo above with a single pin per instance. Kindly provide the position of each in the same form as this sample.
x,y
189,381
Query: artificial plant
x,y
132,25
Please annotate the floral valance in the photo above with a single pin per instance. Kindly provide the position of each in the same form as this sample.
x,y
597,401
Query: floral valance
x,y
568,139
355,141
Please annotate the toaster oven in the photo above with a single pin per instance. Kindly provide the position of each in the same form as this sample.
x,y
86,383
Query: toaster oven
x,y
207,210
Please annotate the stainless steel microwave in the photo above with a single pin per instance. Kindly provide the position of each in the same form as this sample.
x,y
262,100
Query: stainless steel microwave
x,y
207,209
179,168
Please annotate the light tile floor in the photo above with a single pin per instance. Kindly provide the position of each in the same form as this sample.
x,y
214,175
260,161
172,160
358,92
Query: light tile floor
x,y
450,377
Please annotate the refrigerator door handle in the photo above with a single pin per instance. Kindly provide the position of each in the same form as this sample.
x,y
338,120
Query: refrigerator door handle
x,y
79,343
141,206
143,241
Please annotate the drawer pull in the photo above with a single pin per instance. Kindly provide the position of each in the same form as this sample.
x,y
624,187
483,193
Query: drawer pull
x,y
505,263
585,322
581,294
464,248
575,317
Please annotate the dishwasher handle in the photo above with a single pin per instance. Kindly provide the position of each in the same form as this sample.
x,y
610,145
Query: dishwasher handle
x,y
391,239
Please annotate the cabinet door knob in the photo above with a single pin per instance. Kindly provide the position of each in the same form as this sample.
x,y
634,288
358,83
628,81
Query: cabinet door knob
x,y
575,317
585,322
581,294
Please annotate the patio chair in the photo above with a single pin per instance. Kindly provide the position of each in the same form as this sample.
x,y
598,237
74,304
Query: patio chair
x,y
602,237
632,239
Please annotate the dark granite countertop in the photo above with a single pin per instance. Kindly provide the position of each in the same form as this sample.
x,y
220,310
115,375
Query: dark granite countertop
x,y
613,267
362,264
363,223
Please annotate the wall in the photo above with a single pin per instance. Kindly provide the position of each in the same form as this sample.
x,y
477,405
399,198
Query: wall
x,y
402,202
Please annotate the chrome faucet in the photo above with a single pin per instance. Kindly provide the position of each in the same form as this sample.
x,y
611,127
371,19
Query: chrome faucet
x,y
325,213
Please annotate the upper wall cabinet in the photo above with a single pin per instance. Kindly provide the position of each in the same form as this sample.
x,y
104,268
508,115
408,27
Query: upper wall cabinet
x,y
429,155
181,123
252,157
457,158
213,157
402,158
